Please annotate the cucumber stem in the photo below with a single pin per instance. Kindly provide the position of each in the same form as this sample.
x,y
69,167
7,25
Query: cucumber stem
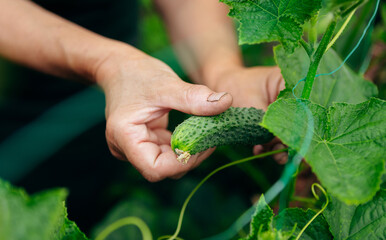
x,y
312,33
316,60
306,47
182,156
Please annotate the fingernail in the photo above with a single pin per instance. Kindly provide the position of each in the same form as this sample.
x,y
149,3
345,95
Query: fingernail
x,y
214,97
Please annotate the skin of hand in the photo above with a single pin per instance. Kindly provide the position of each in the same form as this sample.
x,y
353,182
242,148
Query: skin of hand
x,y
139,90
137,117
208,50
250,87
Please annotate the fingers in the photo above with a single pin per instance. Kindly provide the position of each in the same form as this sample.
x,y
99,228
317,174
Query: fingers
x,y
193,99
275,84
280,158
258,149
156,162
150,153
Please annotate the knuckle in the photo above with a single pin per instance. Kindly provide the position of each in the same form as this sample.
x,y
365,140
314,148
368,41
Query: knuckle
x,y
115,124
152,177
189,93
193,94
116,152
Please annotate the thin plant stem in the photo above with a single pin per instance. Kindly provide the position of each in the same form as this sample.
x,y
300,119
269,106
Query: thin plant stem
x,y
353,7
316,60
146,234
320,211
354,32
306,47
254,173
178,229
341,29
312,34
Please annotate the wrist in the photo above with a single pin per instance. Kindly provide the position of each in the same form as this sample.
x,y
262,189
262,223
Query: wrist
x,y
112,60
219,62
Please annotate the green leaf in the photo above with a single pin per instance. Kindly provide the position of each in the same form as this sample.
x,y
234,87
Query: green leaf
x,y
39,217
347,145
274,234
272,20
366,221
288,218
261,220
261,224
69,231
326,89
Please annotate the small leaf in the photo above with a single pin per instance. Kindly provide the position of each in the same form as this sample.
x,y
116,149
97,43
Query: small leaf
x,y
326,89
366,221
317,230
70,231
347,146
261,220
274,234
272,20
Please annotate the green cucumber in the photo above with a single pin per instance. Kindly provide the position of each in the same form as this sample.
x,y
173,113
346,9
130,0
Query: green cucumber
x,y
234,126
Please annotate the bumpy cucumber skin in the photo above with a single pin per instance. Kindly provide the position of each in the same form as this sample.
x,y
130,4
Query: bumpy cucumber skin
x,y
234,126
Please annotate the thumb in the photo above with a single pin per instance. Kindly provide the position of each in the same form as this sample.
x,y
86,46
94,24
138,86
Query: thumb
x,y
195,99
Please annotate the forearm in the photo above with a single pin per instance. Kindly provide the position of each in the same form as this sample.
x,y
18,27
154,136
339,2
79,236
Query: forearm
x,y
42,40
203,36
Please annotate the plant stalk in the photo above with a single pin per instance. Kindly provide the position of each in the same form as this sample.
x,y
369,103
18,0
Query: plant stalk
x,y
306,47
341,30
316,60
313,34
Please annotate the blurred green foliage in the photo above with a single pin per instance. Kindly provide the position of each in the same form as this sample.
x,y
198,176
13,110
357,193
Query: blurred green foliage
x,y
6,73
153,36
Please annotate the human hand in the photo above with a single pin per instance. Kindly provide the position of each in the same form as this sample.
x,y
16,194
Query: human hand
x,y
139,94
253,87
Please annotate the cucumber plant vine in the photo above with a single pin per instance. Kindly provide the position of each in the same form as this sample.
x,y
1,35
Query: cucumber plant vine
x,y
346,148
333,120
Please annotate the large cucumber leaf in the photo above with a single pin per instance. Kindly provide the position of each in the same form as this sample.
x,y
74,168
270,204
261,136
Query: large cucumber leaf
x,y
366,221
347,147
272,20
39,217
343,86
